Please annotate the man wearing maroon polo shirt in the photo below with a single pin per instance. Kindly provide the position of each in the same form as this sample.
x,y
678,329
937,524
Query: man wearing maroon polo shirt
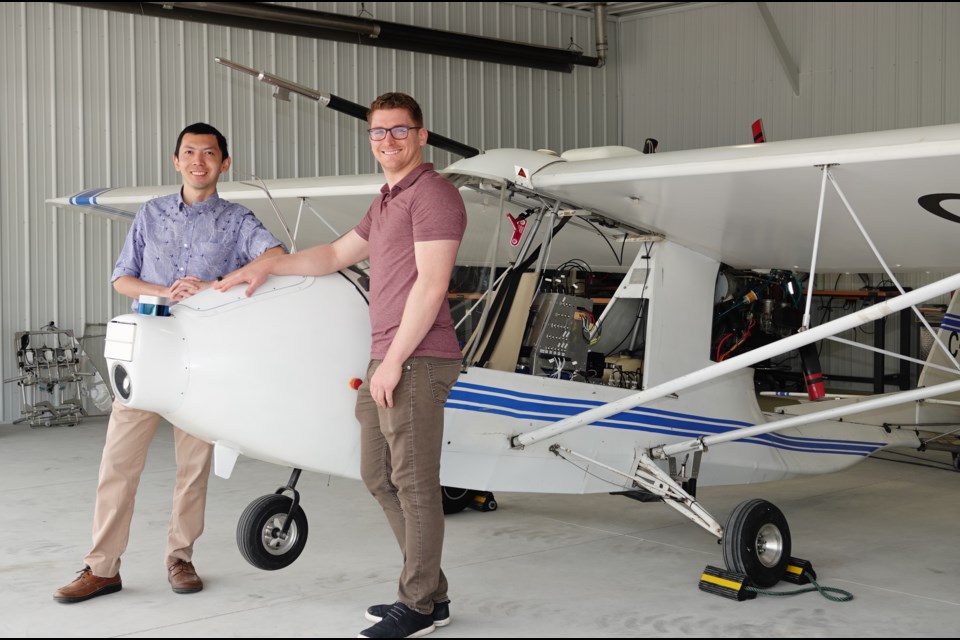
x,y
410,234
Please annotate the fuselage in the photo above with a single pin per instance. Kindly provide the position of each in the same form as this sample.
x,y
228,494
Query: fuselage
x,y
272,376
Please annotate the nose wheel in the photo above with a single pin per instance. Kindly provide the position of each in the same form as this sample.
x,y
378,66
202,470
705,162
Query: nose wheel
x,y
272,530
756,542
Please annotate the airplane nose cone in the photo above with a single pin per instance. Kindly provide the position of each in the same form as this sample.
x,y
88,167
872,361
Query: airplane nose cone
x,y
146,358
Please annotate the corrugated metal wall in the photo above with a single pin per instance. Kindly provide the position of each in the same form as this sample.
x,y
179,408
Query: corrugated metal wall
x,y
699,77
94,98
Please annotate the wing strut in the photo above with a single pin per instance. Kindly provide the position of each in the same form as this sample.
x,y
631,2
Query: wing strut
x,y
742,361
816,244
886,268
878,402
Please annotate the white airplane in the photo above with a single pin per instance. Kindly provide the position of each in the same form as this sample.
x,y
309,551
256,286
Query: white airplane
x,y
706,246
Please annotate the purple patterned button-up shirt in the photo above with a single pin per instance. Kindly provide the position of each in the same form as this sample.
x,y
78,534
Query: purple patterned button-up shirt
x,y
170,240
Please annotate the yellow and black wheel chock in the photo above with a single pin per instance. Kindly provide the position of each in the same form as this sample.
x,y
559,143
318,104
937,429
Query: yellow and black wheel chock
x,y
799,572
736,586
726,584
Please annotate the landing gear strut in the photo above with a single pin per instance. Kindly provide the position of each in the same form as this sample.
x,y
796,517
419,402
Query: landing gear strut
x,y
756,540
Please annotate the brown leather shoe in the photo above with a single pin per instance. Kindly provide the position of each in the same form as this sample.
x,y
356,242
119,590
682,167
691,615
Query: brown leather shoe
x,y
183,577
87,586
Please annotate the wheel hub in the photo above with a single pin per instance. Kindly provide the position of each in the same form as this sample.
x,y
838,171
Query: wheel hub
x,y
769,545
273,540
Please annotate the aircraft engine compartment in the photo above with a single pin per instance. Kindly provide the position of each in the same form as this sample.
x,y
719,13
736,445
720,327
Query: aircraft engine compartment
x,y
557,334
754,308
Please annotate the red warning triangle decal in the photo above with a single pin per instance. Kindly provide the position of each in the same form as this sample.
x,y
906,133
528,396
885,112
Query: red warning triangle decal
x,y
521,173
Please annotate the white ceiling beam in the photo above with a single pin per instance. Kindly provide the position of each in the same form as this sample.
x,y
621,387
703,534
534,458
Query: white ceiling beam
x,y
786,60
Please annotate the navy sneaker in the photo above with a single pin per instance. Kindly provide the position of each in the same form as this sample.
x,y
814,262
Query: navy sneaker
x,y
400,621
441,613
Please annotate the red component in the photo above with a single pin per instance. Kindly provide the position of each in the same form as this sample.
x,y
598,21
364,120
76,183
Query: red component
x,y
355,383
812,374
815,387
758,131
518,227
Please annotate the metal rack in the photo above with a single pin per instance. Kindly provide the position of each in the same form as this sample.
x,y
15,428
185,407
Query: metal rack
x,y
50,379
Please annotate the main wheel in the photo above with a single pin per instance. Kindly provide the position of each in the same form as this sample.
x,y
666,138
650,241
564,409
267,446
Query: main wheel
x,y
455,500
756,542
259,537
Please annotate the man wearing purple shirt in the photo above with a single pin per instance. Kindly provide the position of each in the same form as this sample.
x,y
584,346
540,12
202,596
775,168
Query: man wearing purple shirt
x,y
179,244
411,234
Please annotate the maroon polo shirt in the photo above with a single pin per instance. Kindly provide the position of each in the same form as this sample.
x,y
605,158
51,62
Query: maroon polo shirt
x,y
423,206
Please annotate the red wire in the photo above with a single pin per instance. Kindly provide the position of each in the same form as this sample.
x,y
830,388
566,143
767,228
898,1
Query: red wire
x,y
721,344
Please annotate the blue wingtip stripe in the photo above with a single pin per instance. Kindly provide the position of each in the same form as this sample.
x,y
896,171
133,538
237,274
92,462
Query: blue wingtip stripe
x,y
86,198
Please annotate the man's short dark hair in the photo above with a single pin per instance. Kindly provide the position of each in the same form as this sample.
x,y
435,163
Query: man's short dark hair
x,y
203,129
397,101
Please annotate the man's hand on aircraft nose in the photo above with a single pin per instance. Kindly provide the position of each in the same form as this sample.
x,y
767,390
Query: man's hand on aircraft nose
x,y
253,274
186,287
383,382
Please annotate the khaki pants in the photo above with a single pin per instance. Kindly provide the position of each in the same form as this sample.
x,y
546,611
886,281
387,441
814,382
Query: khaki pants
x,y
400,465
129,434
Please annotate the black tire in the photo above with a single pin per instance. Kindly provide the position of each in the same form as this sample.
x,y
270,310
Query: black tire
x,y
455,500
258,529
756,542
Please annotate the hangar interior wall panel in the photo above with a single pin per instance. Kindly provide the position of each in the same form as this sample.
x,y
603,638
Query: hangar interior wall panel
x,y
699,77
95,98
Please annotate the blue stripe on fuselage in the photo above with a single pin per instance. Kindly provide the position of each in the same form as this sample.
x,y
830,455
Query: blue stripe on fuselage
x,y
527,406
950,322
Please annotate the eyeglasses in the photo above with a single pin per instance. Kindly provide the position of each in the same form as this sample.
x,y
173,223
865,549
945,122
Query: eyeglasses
x,y
398,133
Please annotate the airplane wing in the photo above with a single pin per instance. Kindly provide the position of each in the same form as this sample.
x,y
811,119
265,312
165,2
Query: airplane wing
x,y
748,206
341,202
756,205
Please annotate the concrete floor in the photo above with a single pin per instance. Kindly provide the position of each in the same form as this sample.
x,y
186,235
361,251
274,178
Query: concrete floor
x,y
547,566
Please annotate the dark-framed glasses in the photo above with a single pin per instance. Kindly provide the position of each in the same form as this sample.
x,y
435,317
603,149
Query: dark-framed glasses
x,y
398,133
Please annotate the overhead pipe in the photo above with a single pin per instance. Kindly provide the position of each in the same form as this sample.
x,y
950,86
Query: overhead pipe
x,y
284,86
268,17
600,28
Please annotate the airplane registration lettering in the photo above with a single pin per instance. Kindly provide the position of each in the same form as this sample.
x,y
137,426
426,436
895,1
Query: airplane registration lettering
x,y
933,202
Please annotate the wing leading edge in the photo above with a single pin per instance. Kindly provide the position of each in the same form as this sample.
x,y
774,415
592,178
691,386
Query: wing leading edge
x,y
340,200
756,205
